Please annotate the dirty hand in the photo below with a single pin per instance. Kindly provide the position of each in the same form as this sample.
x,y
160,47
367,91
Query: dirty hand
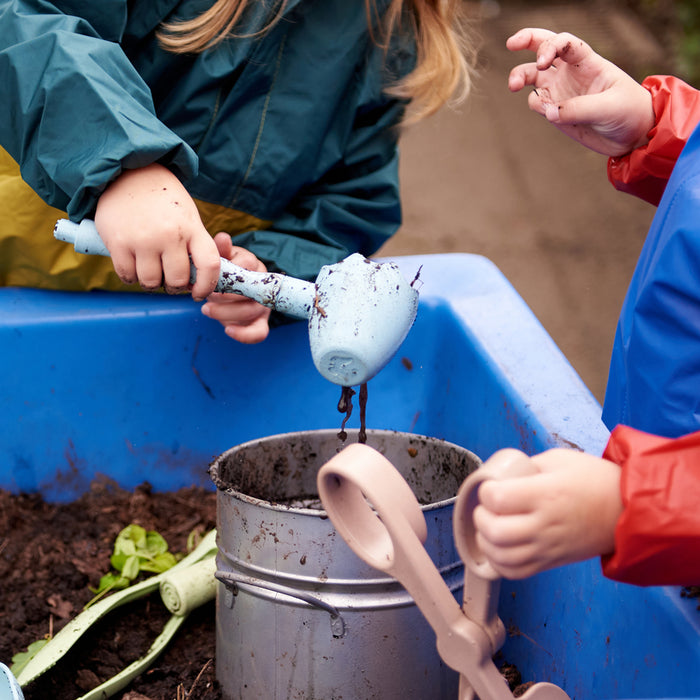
x,y
565,513
585,96
243,319
151,227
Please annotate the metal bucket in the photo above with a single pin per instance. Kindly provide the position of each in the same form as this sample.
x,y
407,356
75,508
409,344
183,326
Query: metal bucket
x,y
299,615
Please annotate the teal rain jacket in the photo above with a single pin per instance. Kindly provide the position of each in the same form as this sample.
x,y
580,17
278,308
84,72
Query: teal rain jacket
x,y
292,127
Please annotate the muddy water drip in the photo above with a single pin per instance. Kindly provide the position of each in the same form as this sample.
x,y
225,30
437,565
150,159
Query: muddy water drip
x,y
362,436
345,406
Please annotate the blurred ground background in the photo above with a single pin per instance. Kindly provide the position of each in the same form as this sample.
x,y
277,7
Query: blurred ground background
x,y
495,179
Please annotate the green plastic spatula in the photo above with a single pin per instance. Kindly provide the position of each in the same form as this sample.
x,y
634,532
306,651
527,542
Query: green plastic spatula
x,y
185,586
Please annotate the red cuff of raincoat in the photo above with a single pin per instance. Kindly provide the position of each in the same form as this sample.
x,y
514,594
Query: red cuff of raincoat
x,y
644,172
657,537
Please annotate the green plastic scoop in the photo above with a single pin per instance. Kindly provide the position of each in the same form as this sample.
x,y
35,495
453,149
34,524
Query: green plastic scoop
x,y
184,587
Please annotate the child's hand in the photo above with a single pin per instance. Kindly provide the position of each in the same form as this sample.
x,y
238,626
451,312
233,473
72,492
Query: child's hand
x,y
565,513
587,97
243,319
151,227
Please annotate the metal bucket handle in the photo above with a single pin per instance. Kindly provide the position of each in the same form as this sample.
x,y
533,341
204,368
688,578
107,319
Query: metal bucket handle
x,y
232,581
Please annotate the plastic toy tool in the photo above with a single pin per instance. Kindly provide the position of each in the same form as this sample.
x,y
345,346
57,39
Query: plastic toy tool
x,y
389,535
358,311
184,587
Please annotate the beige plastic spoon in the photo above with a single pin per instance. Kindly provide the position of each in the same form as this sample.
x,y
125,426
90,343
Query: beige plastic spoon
x,y
375,511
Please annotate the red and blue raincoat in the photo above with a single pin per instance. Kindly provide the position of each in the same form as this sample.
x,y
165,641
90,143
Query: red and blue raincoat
x,y
653,392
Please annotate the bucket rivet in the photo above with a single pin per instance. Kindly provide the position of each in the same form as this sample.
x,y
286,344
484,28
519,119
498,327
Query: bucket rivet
x,y
337,626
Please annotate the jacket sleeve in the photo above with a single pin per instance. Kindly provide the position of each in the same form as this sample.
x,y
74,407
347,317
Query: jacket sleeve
x,y
74,111
645,171
657,537
354,207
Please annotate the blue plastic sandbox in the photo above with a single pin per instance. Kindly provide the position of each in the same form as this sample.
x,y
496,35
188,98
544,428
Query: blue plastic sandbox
x,y
144,387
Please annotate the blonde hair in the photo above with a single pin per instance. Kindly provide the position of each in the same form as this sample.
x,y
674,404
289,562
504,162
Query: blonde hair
x,y
444,55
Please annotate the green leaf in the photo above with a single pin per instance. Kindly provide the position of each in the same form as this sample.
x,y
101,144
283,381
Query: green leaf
x,y
134,541
110,582
118,560
135,550
159,563
131,567
130,539
155,543
22,658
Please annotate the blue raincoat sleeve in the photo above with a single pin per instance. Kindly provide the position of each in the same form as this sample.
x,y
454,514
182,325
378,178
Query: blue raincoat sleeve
x,y
654,379
65,80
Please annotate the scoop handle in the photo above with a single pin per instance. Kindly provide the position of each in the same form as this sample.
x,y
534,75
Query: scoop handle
x,y
506,463
288,295
188,588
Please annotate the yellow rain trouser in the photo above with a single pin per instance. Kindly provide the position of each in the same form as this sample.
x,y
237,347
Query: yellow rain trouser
x,y
31,257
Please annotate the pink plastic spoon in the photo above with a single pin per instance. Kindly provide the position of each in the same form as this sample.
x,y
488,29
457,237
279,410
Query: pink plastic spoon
x,y
375,511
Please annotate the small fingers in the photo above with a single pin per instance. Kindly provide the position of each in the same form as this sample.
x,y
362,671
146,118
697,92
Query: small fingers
x,y
249,334
528,39
125,266
516,546
176,270
244,320
149,271
207,262
240,256
244,258
522,75
233,308
565,46
504,531
580,110
513,562
588,109
512,496
549,46
539,101
224,245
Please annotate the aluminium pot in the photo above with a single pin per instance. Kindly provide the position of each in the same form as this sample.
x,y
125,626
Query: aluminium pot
x,y
299,615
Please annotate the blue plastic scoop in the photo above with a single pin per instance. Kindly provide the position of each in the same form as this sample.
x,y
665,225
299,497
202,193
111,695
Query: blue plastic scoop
x,y
359,311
